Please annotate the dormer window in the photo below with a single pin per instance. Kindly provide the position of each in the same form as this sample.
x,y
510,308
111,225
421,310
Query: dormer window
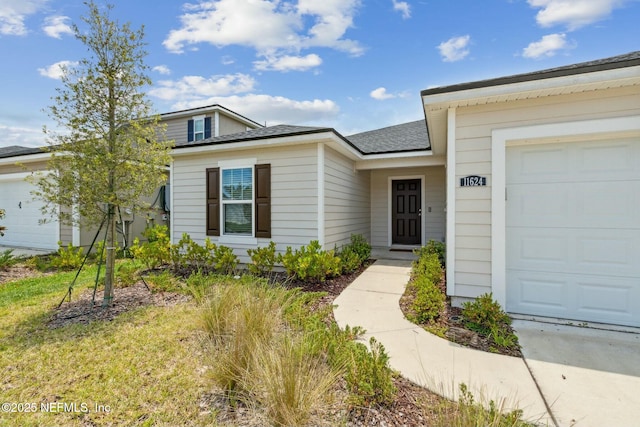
x,y
199,128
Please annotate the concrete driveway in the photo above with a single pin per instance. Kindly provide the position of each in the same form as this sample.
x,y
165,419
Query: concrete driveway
x,y
588,377
25,252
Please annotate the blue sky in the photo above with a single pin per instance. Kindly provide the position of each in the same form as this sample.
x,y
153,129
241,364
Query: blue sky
x,y
354,65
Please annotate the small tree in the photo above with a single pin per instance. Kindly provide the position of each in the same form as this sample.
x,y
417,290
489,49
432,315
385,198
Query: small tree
x,y
2,227
111,151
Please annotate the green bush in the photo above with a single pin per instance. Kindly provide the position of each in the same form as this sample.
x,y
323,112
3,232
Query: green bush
x,y
188,253
311,262
128,274
156,251
263,260
428,266
163,282
433,247
225,260
7,259
429,301
368,376
484,314
354,254
69,258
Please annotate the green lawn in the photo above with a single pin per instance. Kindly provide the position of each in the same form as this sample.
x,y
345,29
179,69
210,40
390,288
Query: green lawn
x,y
141,369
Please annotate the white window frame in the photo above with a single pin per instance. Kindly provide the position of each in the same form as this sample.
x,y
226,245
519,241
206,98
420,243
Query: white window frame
x,y
197,119
238,238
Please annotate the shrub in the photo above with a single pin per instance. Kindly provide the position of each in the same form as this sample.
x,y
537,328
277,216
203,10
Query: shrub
x,y
6,259
428,267
156,251
189,253
483,314
433,247
429,301
311,262
69,258
128,274
350,260
369,378
225,260
262,260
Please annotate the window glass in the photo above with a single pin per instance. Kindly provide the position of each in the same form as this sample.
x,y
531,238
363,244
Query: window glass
x,y
198,129
237,201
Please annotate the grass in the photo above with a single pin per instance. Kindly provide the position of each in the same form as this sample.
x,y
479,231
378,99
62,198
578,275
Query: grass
x,y
143,366
157,365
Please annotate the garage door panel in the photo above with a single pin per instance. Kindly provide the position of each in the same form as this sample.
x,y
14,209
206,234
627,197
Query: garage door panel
x,y
24,220
573,230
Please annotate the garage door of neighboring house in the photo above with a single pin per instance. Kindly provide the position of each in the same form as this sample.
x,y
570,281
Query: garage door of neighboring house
x,y
23,217
573,230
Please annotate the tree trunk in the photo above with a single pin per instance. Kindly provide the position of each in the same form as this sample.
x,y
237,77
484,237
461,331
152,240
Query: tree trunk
x,y
109,278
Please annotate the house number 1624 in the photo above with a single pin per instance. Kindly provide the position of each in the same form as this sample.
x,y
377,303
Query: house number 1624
x,y
473,181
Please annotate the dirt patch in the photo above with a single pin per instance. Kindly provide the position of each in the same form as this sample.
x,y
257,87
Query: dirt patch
x,y
84,309
19,272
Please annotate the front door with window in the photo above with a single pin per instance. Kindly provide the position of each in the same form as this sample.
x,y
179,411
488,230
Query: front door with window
x,y
406,212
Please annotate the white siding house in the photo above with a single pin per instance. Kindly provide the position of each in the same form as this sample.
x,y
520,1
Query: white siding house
x,y
555,230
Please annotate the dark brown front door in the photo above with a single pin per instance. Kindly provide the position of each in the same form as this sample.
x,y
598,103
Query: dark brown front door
x,y
406,212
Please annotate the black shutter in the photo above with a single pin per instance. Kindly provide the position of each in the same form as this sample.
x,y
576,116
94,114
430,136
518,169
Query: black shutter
x,y
213,202
190,131
207,127
263,200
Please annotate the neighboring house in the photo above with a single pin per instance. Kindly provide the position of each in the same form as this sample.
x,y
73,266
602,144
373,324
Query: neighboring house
x,y
23,220
537,177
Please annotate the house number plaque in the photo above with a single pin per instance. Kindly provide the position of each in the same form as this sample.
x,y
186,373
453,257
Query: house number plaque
x,y
473,181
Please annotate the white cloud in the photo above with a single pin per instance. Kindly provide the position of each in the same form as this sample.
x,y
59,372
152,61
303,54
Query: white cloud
x,y
548,46
573,13
272,27
289,63
56,26
13,14
162,69
23,136
190,88
402,7
272,109
455,48
227,60
56,71
381,94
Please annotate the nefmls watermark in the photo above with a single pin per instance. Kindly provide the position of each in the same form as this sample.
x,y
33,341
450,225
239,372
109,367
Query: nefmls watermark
x,y
54,407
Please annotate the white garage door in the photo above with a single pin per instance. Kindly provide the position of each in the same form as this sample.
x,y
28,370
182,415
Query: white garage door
x,y
573,230
23,217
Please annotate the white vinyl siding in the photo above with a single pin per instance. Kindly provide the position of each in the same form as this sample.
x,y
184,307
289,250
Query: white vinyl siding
x,y
347,204
474,126
293,195
433,200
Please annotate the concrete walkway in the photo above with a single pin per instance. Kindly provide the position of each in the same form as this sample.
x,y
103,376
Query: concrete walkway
x,y
371,302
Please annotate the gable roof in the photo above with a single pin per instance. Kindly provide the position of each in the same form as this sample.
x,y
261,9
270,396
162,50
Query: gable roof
x,y
406,137
412,136
18,150
208,109
615,62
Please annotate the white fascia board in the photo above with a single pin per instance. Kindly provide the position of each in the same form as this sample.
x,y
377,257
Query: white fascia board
x,y
251,144
28,158
481,94
210,109
405,161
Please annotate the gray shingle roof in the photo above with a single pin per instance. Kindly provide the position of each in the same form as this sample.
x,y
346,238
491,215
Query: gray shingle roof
x,y
17,150
399,138
621,61
412,136
255,134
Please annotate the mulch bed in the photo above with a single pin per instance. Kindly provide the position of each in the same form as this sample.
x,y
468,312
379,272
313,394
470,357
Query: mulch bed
x,y
83,309
451,320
